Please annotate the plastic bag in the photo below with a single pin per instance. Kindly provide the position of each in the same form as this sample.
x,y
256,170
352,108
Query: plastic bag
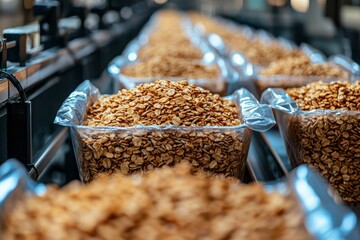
x,y
283,81
219,84
15,184
143,39
246,71
286,81
327,140
250,72
216,85
216,42
324,217
220,150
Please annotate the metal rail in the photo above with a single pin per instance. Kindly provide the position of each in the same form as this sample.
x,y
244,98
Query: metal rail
x,y
275,142
263,161
274,151
44,156
4,46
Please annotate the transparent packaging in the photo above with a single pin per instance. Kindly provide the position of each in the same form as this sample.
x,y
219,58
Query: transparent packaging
x,y
282,81
250,72
237,58
216,42
324,217
218,84
15,184
328,140
107,150
143,39
246,72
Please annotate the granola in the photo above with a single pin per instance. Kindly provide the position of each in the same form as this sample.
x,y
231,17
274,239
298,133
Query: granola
x,y
166,66
328,141
219,151
169,203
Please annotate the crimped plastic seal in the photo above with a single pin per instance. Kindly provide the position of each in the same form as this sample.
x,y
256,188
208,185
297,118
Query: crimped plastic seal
x,y
278,99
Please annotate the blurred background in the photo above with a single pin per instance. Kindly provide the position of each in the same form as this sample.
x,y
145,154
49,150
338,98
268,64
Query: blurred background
x,y
331,26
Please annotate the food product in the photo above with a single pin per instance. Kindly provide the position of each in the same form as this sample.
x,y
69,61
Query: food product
x,y
169,48
256,50
329,141
189,109
169,203
164,39
302,66
168,35
163,103
262,53
188,52
296,72
210,25
233,39
166,66
171,35
327,96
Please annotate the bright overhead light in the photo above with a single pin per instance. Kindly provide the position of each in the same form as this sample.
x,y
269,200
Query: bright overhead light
x,y
160,1
300,5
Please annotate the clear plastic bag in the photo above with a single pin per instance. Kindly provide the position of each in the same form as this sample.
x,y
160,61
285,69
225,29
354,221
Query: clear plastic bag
x,y
250,72
324,217
327,140
283,81
247,73
217,43
218,150
15,184
142,40
218,84
262,36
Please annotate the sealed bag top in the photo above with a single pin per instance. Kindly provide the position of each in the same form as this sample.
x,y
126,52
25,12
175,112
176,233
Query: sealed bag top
x,y
163,103
337,96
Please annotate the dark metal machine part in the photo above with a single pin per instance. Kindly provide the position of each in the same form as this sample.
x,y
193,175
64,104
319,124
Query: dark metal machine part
x,y
263,160
19,140
5,45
